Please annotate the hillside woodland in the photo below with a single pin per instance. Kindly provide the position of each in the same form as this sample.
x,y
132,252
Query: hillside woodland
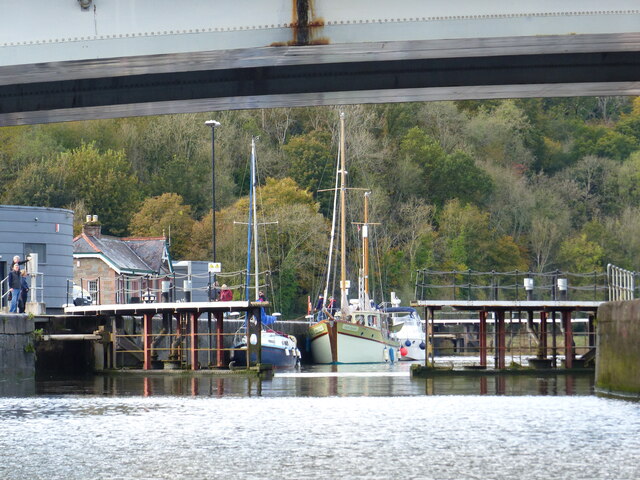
x,y
529,185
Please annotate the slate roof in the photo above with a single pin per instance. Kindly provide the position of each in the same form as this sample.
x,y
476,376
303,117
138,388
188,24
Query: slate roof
x,y
128,255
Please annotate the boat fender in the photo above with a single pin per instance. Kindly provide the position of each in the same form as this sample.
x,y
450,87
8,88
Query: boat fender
x,y
407,342
293,339
392,355
385,354
403,351
422,345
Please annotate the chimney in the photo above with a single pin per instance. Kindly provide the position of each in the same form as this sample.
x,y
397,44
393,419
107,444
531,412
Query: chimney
x,y
92,227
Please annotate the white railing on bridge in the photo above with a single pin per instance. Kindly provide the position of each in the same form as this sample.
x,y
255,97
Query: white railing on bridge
x,y
621,283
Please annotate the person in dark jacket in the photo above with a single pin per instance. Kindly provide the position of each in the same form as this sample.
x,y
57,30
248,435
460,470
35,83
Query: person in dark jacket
x,y
24,290
15,284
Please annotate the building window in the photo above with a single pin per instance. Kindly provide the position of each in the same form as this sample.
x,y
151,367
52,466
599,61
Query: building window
x,y
39,248
94,291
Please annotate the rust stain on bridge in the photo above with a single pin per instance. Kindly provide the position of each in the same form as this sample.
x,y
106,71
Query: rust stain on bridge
x,y
305,26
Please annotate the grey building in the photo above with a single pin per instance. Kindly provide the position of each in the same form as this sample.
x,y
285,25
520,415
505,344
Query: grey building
x,y
47,232
197,273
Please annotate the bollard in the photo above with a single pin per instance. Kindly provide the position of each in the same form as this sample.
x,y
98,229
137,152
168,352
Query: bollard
x,y
186,286
166,287
528,286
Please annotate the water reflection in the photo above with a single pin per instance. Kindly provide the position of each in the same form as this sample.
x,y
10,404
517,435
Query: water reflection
x,y
315,381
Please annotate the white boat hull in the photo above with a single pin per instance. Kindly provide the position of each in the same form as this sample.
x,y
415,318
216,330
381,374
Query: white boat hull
x,y
353,344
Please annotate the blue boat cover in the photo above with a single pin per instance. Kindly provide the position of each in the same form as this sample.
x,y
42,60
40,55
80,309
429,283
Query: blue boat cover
x,y
266,319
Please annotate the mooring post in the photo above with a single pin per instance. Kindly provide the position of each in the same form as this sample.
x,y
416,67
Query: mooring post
x,y
147,339
568,338
482,334
193,333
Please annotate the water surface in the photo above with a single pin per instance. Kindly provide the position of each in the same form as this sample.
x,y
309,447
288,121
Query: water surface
x,y
321,422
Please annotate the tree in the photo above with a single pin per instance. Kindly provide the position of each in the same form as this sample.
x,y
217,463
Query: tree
x,y
467,241
310,161
579,255
165,215
104,181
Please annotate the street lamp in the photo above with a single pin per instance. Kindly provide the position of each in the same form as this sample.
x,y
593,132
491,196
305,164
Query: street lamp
x,y
213,124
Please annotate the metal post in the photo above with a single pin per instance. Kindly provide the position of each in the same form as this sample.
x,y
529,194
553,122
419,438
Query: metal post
x,y
147,339
542,350
193,329
501,345
483,338
554,351
219,339
568,339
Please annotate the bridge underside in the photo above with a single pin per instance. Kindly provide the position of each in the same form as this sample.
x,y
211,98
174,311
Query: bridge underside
x,y
265,77
321,75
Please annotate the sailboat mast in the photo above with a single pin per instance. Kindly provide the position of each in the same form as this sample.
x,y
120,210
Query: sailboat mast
x,y
252,233
255,217
343,221
365,245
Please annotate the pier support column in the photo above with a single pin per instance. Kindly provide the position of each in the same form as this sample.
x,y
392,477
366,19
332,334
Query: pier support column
x,y
193,333
147,339
482,338
568,339
219,339
542,340
591,332
501,339
431,344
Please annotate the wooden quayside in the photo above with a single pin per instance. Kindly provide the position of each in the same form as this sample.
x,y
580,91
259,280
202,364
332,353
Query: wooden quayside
x,y
179,326
545,309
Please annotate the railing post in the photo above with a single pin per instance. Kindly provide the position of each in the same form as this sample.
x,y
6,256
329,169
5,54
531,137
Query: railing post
x,y
454,285
469,284
494,285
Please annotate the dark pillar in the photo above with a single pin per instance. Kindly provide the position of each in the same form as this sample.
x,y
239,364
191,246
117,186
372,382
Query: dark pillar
x,y
482,334
501,340
542,340
568,339
219,339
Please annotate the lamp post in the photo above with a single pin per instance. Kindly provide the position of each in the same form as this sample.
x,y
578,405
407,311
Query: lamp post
x,y
213,124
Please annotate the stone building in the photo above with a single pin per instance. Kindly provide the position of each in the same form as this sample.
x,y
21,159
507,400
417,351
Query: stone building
x,y
119,270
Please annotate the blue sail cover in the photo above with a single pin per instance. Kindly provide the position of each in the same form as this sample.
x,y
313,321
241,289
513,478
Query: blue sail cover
x,y
266,319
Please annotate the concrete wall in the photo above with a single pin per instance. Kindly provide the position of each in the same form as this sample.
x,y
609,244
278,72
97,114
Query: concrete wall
x,y
50,227
618,352
17,348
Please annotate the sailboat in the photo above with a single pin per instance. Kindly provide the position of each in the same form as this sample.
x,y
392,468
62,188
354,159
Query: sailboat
x,y
278,349
358,332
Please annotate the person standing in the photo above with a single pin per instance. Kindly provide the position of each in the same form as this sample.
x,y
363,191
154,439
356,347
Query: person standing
x,y
215,292
24,290
15,284
262,297
320,303
331,306
226,295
